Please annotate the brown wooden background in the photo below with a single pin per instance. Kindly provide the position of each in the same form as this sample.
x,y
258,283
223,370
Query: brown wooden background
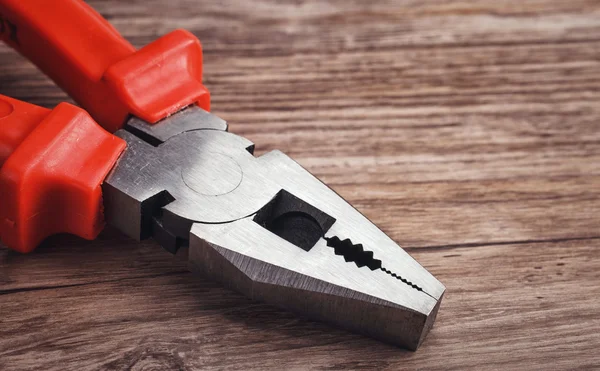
x,y
468,130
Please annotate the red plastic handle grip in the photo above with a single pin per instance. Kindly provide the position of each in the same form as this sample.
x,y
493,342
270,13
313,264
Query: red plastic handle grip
x,y
88,58
52,164
17,120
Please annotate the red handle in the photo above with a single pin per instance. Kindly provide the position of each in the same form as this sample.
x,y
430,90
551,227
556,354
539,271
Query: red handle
x,y
52,164
88,58
17,121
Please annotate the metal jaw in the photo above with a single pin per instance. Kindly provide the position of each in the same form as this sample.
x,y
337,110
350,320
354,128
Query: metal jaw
x,y
267,228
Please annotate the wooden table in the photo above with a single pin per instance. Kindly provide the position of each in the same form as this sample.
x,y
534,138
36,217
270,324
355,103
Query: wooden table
x,y
468,130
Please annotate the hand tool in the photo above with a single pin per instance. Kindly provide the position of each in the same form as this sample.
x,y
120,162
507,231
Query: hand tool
x,y
261,225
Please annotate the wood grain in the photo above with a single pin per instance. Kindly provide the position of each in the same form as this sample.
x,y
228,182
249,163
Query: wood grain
x,y
468,130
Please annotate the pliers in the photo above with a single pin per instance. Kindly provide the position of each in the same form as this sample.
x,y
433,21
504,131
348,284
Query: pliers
x,y
171,171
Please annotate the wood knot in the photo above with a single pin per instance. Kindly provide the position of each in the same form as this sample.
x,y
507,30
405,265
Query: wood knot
x,y
148,360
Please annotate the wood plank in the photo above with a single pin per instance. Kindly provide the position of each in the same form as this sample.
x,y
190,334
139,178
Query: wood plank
x,y
64,261
468,130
